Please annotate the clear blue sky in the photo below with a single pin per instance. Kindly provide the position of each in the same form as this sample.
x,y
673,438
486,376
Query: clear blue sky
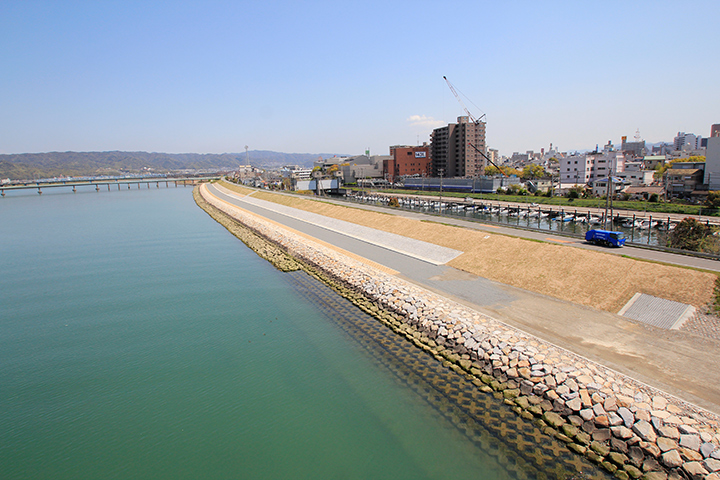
x,y
340,77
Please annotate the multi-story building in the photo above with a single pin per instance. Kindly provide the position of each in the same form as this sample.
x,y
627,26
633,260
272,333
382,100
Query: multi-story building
x,y
683,182
686,141
712,163
407,161
452,149
636,148
360,167
588,167
494,155
637,177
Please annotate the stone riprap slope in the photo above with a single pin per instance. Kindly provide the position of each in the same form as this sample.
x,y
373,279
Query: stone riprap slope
x,y
629,428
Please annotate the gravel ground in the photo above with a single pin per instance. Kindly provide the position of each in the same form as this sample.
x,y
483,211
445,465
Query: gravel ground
x,y
705,325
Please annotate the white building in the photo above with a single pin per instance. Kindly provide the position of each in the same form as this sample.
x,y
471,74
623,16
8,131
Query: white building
x,y
712,164
637,177
296,171
588,167
686,141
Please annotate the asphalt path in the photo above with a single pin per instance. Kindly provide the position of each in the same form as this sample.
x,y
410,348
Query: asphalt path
x,y
677,362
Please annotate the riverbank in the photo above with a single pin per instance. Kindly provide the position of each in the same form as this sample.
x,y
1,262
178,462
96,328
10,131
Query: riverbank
x,y
627,427
542,267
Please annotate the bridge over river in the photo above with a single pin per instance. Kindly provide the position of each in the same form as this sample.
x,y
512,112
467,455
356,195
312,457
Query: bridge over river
x,y
109,183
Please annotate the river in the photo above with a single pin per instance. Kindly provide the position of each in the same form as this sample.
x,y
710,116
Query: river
x,y
139,339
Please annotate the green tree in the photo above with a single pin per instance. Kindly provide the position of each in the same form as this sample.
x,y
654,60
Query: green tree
x,y
532,171
491,171
690,234
712,200
575,192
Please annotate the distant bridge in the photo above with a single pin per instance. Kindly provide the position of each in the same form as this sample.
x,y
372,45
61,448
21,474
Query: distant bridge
x,y
109,183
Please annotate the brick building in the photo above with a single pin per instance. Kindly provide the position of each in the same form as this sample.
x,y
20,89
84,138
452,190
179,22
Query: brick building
x,y
407,160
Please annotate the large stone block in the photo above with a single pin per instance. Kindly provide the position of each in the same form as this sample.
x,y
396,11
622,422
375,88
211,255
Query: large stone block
x,y
627,416
671,459
690,441
553,419
601,435
645,431
695,470
666,444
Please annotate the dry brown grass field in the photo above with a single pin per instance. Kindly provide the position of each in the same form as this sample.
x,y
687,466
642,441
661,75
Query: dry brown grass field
x,y
595,279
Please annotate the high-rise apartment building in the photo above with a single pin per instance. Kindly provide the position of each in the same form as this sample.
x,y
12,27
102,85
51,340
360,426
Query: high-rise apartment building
x,y
452,149
685,141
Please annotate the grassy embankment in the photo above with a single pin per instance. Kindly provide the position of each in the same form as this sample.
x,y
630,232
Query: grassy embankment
x,y
595,279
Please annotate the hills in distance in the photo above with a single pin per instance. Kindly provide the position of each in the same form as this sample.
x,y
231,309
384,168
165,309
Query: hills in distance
x,y
30,166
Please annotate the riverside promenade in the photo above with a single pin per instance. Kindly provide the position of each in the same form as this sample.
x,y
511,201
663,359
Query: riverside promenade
x,y
676,363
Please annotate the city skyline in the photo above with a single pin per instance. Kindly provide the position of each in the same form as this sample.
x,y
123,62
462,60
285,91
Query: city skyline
x,y
346,77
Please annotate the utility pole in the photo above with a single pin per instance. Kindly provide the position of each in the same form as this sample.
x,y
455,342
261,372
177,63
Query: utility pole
x,y
608,201
441,171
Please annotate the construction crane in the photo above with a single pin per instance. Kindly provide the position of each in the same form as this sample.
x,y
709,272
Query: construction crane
x,y
488,159
470,115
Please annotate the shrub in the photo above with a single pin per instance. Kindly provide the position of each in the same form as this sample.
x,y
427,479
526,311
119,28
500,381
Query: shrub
x,y
695,236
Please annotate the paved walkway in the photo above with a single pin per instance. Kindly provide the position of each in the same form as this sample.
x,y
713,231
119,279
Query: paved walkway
x,y
679,362
435,254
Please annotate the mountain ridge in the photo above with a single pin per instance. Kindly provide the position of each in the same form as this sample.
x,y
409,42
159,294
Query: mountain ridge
x,y
25,166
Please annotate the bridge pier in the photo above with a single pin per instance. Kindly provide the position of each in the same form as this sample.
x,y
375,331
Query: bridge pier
x,y
97,188
74,189
39,191
108,187
2,192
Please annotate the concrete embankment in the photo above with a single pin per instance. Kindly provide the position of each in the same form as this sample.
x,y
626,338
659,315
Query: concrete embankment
x,y
629,428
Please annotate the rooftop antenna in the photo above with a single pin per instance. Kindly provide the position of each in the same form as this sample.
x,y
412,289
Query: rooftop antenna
x,y
637,135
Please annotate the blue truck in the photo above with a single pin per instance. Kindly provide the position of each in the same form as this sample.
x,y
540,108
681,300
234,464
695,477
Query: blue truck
x,y
605,237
